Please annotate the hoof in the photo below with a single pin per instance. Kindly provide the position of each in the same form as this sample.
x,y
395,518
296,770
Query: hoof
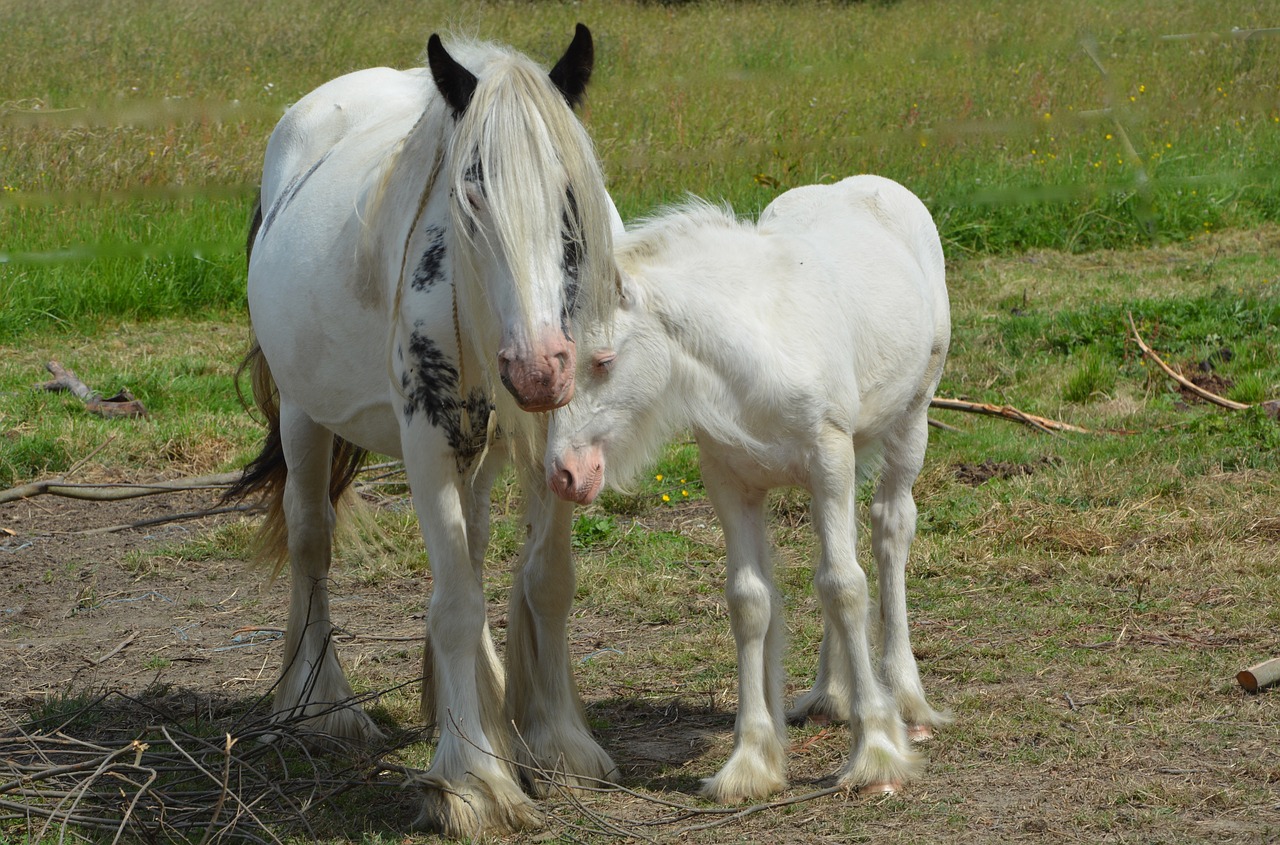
x,y
747,777
727,791
334,730
467,810
885,787
919,733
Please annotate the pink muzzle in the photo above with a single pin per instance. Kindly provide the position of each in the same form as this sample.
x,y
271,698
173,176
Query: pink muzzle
x,y
577,475
541,380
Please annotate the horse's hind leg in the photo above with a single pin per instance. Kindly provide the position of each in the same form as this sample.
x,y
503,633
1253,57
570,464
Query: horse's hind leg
x,y
312,684
542,699
893,527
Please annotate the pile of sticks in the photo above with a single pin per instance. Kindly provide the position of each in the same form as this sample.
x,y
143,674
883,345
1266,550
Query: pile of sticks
x,y
155,781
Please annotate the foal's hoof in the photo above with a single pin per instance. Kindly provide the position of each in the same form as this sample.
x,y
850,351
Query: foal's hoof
x,y
884,787
920,733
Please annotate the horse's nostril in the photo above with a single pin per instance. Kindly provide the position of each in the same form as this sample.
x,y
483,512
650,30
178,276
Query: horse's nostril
x,y
564,480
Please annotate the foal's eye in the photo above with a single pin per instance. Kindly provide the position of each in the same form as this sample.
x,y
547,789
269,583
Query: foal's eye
x,y
602,361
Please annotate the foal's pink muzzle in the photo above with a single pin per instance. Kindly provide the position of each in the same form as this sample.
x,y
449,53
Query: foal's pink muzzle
x,y
577,475
541,379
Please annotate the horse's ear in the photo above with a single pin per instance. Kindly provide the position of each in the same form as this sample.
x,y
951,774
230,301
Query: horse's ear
x,y
455,82
572,73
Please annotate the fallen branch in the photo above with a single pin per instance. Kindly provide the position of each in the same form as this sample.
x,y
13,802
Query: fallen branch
x,y
1186,383
1009,412
123,404
169,518
112,492
96,661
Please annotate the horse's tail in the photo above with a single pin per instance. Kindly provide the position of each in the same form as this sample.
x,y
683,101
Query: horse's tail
x,y
264,476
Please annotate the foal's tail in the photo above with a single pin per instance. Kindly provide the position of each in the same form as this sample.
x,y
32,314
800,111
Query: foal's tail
x,y
265,475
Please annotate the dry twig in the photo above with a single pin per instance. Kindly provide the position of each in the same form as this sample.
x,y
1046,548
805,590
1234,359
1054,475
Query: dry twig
x,y
123,404
1178,377
1008,412
154,781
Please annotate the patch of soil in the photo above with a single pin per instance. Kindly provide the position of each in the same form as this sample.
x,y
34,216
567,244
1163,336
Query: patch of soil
x,y
977,474
118,610
1210,381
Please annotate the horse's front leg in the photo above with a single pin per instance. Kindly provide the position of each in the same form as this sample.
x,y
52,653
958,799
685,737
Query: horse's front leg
x,y
758,765
312,685
542,698
880,756
471,786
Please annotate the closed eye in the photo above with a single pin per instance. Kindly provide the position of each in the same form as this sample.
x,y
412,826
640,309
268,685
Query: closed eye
x,y
602,361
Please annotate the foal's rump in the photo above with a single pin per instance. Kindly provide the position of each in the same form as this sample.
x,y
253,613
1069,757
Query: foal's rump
x,y
857,203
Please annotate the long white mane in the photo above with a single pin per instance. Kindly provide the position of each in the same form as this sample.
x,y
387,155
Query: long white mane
x,y
521,135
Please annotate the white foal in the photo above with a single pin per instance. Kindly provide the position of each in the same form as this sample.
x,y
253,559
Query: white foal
x,y
801,350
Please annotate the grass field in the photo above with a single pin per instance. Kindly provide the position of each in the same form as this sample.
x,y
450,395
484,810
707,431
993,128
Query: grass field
x,y
1081,602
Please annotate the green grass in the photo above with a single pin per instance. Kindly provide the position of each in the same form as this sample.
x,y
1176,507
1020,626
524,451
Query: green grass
x,y
129,151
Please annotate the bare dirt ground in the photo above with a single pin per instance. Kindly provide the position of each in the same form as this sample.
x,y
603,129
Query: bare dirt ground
x,y
106,611
89,610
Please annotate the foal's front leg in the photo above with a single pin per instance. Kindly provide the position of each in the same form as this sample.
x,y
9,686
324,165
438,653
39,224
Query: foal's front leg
x,y
880,756
542,699
758,765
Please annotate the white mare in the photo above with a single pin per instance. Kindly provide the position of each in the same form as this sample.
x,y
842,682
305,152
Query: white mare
x,y
422,238
801,350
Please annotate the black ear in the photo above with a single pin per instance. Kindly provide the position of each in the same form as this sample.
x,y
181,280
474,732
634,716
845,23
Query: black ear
x,y
455,82
572,73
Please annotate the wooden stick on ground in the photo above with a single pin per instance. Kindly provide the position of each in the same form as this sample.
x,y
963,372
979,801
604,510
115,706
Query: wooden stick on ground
x,y
1009,412
1262,675
111,492
123,404
1178,377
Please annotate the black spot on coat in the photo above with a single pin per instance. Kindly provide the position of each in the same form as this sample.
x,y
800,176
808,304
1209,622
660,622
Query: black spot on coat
x,y
431,268
430,383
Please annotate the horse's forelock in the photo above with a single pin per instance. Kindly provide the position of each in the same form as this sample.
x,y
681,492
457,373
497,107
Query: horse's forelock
x,y
533,154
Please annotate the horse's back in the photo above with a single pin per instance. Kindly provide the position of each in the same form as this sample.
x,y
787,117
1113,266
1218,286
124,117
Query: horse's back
x,y
319,314
323,117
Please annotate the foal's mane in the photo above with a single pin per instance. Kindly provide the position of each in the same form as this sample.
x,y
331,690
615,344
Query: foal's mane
x,y
651,237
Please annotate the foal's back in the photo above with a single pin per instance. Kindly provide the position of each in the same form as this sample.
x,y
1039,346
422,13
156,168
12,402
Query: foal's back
x,y
878,276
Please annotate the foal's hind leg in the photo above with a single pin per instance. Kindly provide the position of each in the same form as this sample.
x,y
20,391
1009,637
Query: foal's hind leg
x,y
893,527
312,683
542,699
829,699
880,757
